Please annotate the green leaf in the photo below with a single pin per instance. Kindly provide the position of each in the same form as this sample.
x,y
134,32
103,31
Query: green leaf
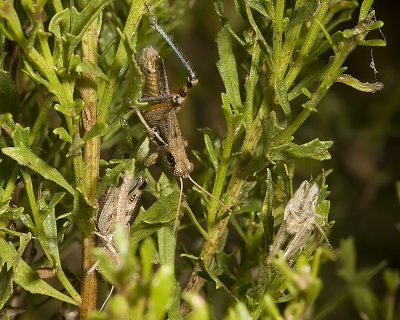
x,y
60,24
89,67
6,288
36,77
358,85
227,109
282,95
162,211
364,10
98,129
112,175
27,221
8,93
50,231
147,257
20,135
7,212
63,134
211,150
315,149
166,245
259,7
323,208
128,137
160,214
373,43
239,311
161,289
26,277
303,14
227,67
270,130
80,21
265,215
27,158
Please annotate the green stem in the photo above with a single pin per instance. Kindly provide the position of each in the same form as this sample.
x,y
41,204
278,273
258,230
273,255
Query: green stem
x,y
120,63
220,178
41,118
307,44
196,223
289,45
91,155
251,83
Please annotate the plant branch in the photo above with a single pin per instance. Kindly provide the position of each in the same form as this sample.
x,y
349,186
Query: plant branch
x,y
91,158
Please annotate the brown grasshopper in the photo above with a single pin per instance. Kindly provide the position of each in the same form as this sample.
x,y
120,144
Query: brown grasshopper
x,y
160,118
116,206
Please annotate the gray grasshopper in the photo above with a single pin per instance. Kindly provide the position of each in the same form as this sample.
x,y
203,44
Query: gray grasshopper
x,y
116,206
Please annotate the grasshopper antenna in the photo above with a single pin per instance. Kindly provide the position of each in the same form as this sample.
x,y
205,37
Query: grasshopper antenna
x,y
209,194
202,189
192,79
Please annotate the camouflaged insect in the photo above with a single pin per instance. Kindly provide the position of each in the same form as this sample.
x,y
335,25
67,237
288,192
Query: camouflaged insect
x,y
116,206
299,221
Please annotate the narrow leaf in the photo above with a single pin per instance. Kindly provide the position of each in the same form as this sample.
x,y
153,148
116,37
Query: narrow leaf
x,y
364,10
211,151
227,67
373,43
27,158
50,231
27,278
358,85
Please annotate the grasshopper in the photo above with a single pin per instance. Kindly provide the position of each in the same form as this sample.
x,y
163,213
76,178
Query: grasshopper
x,y
160,119
299,221
116,205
